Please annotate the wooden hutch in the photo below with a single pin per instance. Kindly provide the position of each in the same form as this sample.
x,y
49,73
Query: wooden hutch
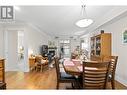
x,y
100,46
2,74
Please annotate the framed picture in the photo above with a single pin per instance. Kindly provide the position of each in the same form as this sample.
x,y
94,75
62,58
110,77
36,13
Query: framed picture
x,y
124,37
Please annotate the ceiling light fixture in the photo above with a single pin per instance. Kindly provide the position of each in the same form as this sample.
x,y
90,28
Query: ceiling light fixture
x,y
85,22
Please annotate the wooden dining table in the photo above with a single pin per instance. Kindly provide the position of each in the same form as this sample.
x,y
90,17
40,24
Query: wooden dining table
x,y
74,66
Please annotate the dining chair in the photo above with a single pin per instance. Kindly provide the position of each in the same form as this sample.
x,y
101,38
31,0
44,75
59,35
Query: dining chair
x,y
111,77
63,77
40,63
95,75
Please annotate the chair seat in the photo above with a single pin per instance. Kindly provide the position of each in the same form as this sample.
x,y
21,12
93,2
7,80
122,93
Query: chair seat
x,y
65,76
62,76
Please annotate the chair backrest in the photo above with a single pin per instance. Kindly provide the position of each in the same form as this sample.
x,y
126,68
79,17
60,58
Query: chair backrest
x,y
57,67
113,60
95,75
97,58
38,59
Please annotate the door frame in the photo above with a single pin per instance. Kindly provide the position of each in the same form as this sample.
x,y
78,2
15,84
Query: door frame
x,y
26,66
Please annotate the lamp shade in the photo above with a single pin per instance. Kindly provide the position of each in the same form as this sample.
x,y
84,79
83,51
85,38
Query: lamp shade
x,y
84,22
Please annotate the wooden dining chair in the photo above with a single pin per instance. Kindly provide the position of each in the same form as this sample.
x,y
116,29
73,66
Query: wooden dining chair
x,y
40,63
111,77
95,75
63,77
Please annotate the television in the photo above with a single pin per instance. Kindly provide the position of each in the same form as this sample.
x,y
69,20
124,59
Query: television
x,y
44,50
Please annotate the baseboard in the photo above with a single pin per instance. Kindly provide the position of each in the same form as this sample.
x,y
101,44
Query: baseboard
x,y
27,70
121,80
16,69
11,69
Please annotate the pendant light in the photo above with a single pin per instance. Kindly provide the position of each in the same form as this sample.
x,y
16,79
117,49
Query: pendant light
x,y
84,22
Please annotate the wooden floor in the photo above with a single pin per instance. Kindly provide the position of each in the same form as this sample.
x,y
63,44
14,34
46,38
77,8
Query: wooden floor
x,y
38,80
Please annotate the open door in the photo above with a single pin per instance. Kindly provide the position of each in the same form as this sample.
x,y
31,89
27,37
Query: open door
x,y
11,54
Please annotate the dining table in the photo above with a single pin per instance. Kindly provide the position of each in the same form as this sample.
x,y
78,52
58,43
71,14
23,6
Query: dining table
x,y
74,66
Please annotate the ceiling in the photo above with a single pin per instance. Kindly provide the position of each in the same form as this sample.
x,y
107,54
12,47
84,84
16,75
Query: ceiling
x,y
60,20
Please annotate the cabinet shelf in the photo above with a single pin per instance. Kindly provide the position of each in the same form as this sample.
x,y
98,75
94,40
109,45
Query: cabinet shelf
x,y
100,45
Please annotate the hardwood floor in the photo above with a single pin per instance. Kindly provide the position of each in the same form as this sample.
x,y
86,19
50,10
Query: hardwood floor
x,y
38,80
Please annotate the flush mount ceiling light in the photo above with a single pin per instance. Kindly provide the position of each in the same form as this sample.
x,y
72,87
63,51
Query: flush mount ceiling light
x,y
85,22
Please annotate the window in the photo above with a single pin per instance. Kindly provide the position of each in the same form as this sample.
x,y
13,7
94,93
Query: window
x,y
66,47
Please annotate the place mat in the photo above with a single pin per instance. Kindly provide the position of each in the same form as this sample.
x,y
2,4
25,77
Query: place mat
x,y
80,68
68,63
76,60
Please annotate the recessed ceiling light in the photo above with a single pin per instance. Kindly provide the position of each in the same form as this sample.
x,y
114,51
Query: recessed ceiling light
x,y
84,22
17,8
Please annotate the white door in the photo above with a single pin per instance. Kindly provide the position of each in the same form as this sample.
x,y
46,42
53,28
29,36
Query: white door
x,y
21,59
11,52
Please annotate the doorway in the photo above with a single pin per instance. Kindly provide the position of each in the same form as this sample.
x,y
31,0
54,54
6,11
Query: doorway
x,y
65,48
14,60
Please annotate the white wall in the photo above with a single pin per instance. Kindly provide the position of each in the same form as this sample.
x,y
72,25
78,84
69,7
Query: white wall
x,y
1,42
116,28
36,39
